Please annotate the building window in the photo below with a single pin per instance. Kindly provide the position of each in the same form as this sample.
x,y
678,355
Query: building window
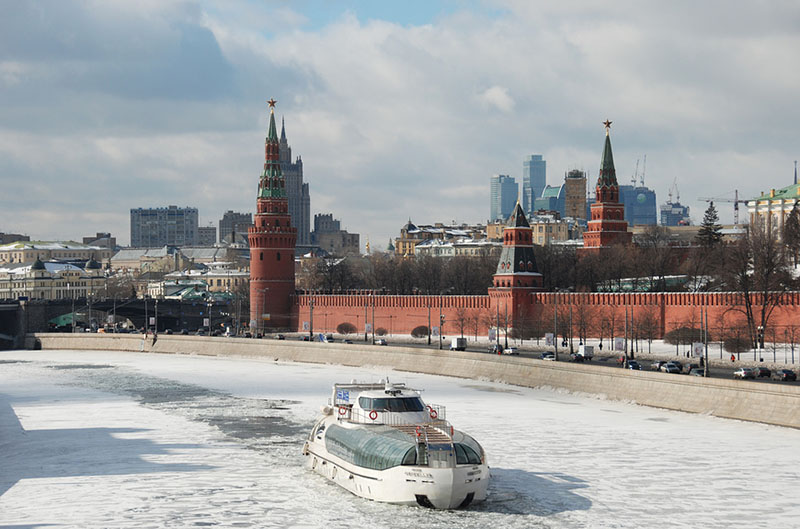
x,y
279,256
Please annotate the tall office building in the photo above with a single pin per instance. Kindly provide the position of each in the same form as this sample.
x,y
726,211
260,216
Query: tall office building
x,y
206,236
296,190
504,195
233,227
170,226
534,179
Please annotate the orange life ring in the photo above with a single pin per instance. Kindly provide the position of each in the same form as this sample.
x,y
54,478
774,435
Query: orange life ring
x,y
342,410
373,415
433,413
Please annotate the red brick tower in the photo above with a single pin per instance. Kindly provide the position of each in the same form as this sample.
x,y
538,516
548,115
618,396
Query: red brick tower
x,y
607,225
517,275
272,241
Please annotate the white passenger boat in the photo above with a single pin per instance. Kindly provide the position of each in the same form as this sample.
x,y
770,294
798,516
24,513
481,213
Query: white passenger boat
x,y
382,442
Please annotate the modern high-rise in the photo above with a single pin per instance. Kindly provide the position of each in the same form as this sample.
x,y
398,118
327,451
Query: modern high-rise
x,y
233,227
296,190
170,226
534,179
504,194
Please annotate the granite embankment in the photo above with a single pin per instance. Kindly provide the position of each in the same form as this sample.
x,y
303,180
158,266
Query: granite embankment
x,y
776,404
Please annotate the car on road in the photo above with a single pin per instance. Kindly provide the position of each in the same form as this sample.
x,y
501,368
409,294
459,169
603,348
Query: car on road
x,y
762,372
744,373
697,372
677,364
784,374
511,351
280,337
381,341
496,349
634,365
547,356
671,367
347,340
577,357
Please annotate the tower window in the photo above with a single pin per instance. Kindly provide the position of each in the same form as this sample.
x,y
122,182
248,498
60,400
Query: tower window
x,y
279,256
261,256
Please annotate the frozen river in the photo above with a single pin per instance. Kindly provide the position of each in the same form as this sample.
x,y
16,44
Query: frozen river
x,y
96,439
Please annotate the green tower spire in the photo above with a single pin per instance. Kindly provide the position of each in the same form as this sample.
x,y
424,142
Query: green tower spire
x,y
271,184
608,175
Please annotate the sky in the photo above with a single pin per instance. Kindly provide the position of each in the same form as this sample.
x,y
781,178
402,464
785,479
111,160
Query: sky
x,y
398,110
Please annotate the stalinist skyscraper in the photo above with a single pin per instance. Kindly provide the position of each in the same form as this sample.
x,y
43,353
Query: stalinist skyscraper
x,y
296,190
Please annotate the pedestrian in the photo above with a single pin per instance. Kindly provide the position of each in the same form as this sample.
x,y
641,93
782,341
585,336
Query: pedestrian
x,y
733,358
155,337
601,346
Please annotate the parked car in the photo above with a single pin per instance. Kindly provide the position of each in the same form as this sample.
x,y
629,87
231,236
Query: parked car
x,y
784,374
744,373
633,364
762,372
381,341
347,340
670,367
677,364
184,331
280,337
496,348
688,368
697,372
656,366
168,331
511,351
201,332
548,356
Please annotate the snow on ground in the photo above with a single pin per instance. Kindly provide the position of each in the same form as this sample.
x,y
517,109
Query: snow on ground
x,y
100,439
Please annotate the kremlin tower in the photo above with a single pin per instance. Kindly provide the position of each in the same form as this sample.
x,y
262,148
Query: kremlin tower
x,y
607,225
272,241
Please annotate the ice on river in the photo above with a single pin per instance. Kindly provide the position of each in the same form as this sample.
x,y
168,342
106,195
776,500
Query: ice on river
x,y
102,439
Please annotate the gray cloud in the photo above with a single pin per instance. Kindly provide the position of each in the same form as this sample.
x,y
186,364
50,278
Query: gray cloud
x,y
111,107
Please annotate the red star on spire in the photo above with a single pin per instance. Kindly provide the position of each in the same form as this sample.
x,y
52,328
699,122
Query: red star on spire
x,y
271,103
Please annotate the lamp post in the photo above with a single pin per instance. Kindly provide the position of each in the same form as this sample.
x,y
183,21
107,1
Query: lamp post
x,y
311,320
366,329
263,310
555,325
156,320
372,297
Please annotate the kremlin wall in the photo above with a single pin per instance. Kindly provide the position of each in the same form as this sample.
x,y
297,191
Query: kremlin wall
x,y
515,299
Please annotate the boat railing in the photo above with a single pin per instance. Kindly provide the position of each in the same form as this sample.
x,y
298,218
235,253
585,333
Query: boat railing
x,y
434,415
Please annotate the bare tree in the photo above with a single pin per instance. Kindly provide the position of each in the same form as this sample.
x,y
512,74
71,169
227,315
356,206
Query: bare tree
x,y
462,319
757,267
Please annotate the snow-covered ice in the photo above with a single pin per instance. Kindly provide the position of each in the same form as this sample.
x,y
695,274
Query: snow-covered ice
x,y
108,439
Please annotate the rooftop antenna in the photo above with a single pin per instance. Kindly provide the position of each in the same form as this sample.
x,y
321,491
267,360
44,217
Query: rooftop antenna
x,y
795,172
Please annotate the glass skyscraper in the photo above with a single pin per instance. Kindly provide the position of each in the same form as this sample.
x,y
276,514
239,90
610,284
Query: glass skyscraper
x,y
504,194
534,179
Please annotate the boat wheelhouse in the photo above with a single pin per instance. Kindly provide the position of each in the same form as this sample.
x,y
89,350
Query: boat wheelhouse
x,y
382,442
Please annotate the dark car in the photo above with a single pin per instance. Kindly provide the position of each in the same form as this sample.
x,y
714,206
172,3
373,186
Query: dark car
x,y
496,348
201,332
348,341
633,364
784,374
168,331
677,364
575,357
184,331
280,337
762,372
688,368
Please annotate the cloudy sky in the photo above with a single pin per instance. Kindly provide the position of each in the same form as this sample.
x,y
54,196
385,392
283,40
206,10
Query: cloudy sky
x,y
398,109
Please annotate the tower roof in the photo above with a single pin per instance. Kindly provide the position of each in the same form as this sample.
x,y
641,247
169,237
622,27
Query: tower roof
x,y
283,130
517,218
608,175
271,184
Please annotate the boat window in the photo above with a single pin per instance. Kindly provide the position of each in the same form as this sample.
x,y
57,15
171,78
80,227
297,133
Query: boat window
x,y
401,404
466,455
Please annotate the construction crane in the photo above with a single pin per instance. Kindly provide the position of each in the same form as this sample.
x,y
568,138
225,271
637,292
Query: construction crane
x,y
734,200
677,193
638,178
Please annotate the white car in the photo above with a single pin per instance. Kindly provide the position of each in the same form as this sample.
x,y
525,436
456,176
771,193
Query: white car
x,y
511,351
381,341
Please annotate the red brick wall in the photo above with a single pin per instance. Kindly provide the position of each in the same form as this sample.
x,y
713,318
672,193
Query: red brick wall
x,y
400,314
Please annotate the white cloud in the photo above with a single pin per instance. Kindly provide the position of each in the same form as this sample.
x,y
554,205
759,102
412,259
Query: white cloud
x,y
498,97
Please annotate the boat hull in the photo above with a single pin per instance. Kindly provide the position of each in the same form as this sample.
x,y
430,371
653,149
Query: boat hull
x,y
439,488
